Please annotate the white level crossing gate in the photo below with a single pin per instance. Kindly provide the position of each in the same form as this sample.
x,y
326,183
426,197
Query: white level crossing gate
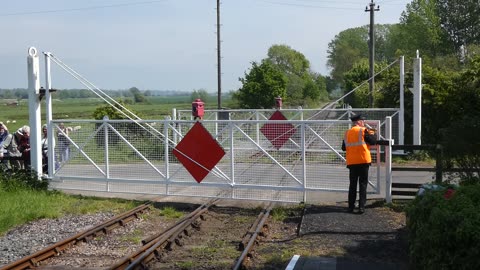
x,y
138,157
260,159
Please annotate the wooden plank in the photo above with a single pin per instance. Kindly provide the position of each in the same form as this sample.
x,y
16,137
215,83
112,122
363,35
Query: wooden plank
x,y
404,193
413,147
406,185
414,169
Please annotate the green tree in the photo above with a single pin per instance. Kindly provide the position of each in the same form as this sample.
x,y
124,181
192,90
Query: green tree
x,y
113,112
348,47
138,97
261,86
288,60
462,123
302,85
461,20
420,29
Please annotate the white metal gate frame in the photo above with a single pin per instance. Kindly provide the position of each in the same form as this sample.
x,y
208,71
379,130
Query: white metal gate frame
x,y
251,168
34,115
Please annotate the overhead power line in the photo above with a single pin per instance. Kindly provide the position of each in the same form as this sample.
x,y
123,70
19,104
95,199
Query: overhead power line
x,y
306,5
82,8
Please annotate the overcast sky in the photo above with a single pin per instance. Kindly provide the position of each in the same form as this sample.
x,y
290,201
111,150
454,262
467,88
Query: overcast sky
x,y
170,44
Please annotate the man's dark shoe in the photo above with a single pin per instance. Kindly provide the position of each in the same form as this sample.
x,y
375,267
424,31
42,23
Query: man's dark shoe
x,y
350,210
361,210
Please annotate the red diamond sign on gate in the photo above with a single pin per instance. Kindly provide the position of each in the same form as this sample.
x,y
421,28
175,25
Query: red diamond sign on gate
x,y
199,152
278,134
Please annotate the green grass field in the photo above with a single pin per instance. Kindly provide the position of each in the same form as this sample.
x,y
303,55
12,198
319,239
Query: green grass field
x,y
156,107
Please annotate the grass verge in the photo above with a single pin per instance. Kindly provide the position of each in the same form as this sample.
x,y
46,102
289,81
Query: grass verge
x,y
24,199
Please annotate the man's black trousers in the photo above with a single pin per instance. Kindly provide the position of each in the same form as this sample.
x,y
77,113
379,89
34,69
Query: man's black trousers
x,y
358,174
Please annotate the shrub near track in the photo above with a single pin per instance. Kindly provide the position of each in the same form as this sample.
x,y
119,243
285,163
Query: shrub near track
x,y
444,229
24,198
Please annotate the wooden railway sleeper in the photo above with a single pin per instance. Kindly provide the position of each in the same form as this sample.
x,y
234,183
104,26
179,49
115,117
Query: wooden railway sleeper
x,y
179,242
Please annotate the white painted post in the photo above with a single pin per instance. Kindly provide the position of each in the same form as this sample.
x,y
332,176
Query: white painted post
x,y
175,124
401,117
257,127
167,149
417,100
106,152
304,163
232,155
388,159
48,116
33,71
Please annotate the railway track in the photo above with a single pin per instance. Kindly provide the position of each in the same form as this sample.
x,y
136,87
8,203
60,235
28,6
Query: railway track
x,y
33,260
154,247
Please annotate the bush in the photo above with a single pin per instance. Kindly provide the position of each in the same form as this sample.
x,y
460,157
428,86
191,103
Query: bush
x,y
444,229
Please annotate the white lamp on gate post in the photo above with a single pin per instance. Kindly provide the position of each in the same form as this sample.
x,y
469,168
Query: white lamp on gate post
x,y
33,71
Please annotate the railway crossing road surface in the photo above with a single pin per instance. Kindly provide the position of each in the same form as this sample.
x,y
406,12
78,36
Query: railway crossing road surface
x,y
313,197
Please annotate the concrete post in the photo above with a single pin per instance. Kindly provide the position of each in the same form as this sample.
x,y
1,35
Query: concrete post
x,y
401,116
417,100
33,71
48,116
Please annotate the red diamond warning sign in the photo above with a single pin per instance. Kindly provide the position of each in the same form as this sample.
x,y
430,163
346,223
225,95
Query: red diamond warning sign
x,y
199,152
278,134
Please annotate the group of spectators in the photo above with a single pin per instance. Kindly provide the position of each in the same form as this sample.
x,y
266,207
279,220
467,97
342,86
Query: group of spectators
x,y
15,147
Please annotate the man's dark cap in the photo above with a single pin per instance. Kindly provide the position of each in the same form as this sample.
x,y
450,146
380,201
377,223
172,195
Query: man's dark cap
x,y
357,117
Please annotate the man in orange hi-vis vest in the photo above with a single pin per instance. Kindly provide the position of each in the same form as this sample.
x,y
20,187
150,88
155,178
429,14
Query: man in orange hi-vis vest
x,y
356,142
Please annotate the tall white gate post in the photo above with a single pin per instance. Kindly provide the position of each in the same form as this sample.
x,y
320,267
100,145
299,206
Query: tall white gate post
x,y
48,116
388,159
417,100
33,71
401,117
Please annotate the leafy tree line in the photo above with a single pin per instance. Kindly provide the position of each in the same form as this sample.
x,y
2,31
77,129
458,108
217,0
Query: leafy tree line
x,y
284,73
447,43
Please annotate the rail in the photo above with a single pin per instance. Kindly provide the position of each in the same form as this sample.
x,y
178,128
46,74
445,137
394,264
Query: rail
x,y
248,241
165,239
32,261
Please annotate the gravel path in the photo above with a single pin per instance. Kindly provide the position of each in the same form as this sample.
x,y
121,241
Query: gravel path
x,y
32,237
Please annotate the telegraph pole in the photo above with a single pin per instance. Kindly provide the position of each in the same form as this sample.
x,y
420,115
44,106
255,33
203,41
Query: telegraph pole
x,y
219,60
371,47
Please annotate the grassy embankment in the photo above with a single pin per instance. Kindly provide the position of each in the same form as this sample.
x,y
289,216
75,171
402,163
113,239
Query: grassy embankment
x,y
26,199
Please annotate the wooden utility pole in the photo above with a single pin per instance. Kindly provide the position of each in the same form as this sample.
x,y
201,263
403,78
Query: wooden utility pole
x,y
219,60
371,46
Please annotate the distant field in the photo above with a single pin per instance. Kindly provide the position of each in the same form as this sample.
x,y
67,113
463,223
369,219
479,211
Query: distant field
x,y
157,107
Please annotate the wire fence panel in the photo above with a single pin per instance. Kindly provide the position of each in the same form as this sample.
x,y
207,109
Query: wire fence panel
x,y
272,160
303,114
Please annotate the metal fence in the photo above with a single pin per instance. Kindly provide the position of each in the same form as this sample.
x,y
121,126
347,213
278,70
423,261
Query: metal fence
x,y
252,159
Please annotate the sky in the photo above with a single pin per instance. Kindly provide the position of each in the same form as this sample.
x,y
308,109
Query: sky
x,y
170,44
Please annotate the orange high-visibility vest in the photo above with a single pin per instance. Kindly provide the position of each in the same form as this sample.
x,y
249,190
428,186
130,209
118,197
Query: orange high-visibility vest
x,y
358,151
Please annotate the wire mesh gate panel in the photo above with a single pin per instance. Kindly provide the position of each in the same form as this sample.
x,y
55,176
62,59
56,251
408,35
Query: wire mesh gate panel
x,y
276,160
303,114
